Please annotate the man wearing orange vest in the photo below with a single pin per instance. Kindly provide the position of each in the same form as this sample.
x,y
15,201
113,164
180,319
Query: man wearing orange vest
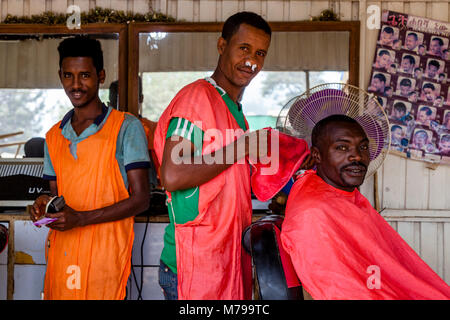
x,y
210,201
97,159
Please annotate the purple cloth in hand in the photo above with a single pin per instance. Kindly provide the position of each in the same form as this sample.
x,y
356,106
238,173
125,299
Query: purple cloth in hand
x,y
44,221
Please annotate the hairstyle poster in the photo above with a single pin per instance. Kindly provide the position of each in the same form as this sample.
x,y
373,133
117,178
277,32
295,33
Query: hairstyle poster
x,y
410,77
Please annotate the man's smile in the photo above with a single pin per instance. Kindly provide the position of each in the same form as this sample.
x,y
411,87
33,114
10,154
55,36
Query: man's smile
x,y
77,94
355,170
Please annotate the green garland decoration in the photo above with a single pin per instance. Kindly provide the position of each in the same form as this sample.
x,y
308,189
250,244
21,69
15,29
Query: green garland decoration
x,y
96,15
102,15
326,15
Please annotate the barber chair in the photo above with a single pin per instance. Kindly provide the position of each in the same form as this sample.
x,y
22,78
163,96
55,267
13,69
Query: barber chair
x,y
275,276
3,237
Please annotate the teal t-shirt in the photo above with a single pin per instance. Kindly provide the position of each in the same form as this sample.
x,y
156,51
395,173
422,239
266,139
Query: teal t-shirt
x,y
131,147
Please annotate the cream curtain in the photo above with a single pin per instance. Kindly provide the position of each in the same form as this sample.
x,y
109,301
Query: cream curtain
x,y
33,64
289,51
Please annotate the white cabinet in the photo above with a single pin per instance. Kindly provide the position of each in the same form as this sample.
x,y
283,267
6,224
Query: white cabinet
x,y
30,266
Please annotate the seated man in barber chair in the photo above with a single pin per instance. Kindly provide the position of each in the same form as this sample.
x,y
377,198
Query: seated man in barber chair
x,y
340,247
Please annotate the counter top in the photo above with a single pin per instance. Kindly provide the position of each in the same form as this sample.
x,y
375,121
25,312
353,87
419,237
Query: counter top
x,y
162,218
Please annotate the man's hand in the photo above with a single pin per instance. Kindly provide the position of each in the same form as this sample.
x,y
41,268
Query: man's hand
x,y
255,144
38,208
67,219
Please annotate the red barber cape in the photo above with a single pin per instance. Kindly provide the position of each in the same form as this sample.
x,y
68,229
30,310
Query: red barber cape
x,y
341,248
211,264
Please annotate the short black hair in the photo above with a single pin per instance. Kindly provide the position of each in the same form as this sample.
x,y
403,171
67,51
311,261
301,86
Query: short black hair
x,y
439,40
400,106
414,35
380,77
406,82
82,46
434,63
383,52
320,126
231,25
114,93
428,85
410,58
388,30
427,110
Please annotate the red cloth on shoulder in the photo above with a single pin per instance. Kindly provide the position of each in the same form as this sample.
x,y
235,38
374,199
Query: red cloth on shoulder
x,y
286,154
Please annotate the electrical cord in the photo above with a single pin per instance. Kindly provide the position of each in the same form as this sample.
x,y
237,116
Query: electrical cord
x,y
139,287
135,279
142,257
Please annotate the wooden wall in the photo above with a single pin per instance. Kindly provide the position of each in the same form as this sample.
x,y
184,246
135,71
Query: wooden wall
x,y
415,198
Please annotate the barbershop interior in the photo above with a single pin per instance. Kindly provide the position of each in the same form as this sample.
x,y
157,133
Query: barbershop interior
x,y
368,51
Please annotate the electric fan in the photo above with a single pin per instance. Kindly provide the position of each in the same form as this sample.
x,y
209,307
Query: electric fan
x,y
299,116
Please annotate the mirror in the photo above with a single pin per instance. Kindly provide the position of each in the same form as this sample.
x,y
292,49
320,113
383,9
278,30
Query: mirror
x,y
31,95
301,55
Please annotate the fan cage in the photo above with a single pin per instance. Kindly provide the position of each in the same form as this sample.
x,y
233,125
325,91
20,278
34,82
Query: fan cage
x,y
300,114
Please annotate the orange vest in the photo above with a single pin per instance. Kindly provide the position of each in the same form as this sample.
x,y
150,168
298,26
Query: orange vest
x,y
211,263
91,262
149,128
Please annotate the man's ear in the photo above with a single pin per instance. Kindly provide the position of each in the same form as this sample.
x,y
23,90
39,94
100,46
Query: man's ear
x,y
221,45
315,154
60,74
101,76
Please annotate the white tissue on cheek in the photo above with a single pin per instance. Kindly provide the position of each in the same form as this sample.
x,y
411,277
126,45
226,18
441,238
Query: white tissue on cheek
x,y
254,67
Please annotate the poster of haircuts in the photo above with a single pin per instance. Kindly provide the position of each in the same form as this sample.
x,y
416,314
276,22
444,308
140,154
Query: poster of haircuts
x,y
410,77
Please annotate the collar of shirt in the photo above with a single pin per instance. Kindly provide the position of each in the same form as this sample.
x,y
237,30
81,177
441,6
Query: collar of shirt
x,y
221,90
69,133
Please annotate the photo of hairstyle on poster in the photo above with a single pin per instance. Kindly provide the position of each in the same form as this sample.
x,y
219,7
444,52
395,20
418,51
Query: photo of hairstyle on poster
x,y
410,69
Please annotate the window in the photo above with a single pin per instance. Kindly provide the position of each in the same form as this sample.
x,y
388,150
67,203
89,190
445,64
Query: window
x,y
31,96
169,57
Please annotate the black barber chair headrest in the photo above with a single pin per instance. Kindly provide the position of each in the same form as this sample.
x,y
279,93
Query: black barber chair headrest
x,y
260,241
